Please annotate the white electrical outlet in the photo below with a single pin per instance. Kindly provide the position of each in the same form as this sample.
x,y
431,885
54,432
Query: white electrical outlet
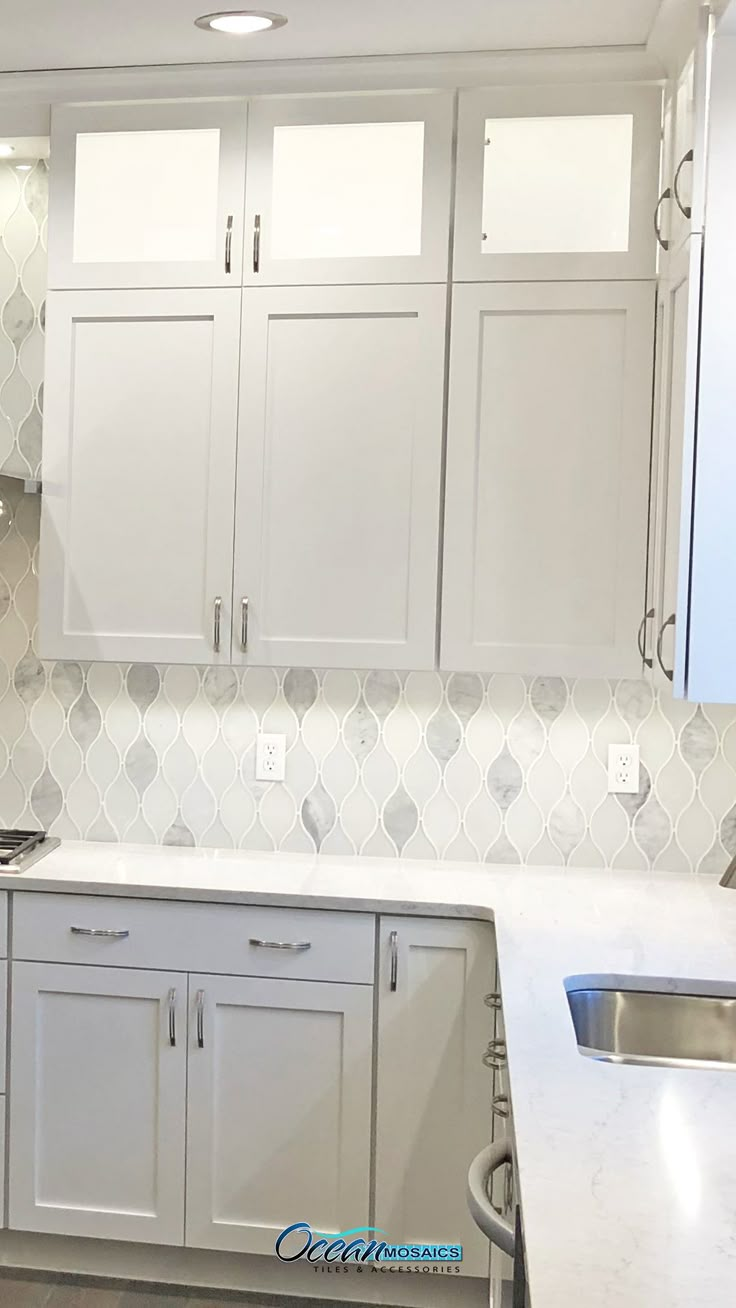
x,y
270,758
623,769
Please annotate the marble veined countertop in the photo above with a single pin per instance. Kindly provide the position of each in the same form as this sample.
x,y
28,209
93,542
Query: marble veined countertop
x,y
628,1174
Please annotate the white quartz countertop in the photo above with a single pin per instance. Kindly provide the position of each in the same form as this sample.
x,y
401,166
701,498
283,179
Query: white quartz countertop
x,y
628,1174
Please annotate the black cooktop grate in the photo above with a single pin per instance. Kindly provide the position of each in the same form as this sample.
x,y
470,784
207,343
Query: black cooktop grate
x,y
13,844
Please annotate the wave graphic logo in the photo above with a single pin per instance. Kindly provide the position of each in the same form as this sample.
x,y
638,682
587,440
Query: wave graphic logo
x,y
358,1245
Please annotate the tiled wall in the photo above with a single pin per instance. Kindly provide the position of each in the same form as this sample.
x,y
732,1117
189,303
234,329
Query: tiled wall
x,y
465,767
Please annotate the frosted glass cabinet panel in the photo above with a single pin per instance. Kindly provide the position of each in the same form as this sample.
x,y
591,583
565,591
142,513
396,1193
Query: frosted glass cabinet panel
x,y
556,183
348,189
139,470
147,195
339,459
547,469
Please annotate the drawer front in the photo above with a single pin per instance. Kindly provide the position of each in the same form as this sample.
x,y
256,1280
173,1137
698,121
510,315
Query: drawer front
x,y
240,940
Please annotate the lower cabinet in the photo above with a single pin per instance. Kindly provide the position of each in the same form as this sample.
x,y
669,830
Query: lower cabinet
x,y
433,1093
279,1109
98,1102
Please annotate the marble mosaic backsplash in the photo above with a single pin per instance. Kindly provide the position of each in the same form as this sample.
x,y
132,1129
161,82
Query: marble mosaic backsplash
x,y
23,274
423,765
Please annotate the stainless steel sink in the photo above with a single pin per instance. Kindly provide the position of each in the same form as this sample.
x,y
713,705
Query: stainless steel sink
x,y
648,1026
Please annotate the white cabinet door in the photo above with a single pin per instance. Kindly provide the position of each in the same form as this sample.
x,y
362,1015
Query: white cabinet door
x,y
547,472
349,189
97,1088
279,1109
433,1092
339,465
676,385
556,182
140,430
147,195
685,140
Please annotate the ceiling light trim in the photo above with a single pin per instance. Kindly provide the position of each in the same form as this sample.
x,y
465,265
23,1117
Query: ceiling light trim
x,y
273,21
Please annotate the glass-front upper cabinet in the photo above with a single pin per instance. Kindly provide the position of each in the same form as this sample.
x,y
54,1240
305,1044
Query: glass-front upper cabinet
x,y
557,182
348,189
147,195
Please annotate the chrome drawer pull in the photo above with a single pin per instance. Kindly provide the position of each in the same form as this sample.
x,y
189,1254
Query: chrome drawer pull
x,y
298,945
172,1018
641,639
666,195
200,1018
495,1055
257,243
244,624
102,934
685,209
229,244
394,944
670,622
216,625
493,1001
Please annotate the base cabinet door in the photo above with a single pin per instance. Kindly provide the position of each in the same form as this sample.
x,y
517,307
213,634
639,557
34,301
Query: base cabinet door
x,y
433,1092
279,1109
98,1085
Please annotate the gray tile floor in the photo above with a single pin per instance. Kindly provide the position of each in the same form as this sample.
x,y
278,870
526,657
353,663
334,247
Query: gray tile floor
x,y
17,1292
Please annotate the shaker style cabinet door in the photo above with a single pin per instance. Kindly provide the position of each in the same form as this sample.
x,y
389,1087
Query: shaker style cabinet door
x,y
279,1109
139,472
345,189
433,1093
147,195
97,1087
339,463
548,451
556,183
675,398
685,145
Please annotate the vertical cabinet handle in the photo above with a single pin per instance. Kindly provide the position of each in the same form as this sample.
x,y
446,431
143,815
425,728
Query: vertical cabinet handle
x,y
172,1018
685,209
199,1003
670,622
244,624
257,243
229,244
394,948
666,195
217,624
641,640
500,1106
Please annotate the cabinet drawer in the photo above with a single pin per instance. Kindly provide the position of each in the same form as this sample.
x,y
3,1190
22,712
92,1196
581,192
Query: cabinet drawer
x,y
304,943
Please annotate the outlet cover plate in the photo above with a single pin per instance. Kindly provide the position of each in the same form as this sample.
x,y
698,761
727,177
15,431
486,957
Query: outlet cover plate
x,y
623,769
270,757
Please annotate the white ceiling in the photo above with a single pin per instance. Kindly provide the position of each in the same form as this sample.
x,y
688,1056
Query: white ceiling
x,y
46,34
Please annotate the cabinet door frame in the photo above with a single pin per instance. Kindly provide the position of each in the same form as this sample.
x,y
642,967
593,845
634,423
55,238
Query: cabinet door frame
x,y
355,1002
434,108
68,120
25,1213
638,262
458,651
260,305
399,1098
64,310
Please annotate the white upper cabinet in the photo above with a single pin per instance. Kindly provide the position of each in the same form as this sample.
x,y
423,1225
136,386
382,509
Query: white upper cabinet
x,y
147,195
556,183
684,150
339,468
345,189
139,474
547,473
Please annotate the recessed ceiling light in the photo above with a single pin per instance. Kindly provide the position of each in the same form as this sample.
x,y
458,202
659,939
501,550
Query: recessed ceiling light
x,y
6,151
241,22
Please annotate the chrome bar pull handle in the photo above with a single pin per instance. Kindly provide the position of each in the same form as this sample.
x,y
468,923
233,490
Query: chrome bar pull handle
x,y
670,622
229,244
257,243
495,1055
244,624
217,624
99,932
297,945
493,1001
641,639
666,195
172,1017
199,1003
685,209
394,948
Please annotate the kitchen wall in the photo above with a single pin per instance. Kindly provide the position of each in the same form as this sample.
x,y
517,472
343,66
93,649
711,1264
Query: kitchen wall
x,y
500,768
